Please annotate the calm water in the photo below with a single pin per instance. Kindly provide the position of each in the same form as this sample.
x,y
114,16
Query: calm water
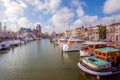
x,y
40,60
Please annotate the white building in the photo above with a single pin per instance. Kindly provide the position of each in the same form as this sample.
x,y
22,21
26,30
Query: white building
x,y
113,32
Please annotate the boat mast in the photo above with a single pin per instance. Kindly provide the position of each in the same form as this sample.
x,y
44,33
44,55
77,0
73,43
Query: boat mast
x,y
18,30
54,32
4,32
69,31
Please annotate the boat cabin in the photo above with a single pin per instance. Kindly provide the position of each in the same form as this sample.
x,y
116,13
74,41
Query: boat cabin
x,y
63,40
108,53
73,41
89,46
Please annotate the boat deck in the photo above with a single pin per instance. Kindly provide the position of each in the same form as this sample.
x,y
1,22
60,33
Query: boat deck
x,y
108,49
96,61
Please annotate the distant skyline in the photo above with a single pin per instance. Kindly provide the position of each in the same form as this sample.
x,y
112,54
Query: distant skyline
x,y
58,13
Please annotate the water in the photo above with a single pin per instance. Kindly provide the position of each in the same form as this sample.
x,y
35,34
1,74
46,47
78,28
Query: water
x,y
40,60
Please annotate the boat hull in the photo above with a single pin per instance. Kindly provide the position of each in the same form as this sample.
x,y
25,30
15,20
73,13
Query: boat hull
x,y
71,48
97,73
84,53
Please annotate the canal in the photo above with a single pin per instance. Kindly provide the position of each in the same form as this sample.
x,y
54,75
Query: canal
x,y
40,60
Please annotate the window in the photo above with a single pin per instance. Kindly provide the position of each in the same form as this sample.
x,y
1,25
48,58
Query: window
x,y
104,54
110,54
116,37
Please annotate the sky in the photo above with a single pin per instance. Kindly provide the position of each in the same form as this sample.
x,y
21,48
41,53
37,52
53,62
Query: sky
x,y
58,15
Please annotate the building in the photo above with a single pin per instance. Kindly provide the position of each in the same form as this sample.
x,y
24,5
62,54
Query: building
x,y
25,32
93,33
113,32
80,32
38,29
0,26
68,33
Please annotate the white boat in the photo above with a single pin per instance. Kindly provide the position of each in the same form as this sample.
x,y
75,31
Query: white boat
x,y
102,63
5,45
22,41
62,41
88,48
16,42
94,72
72,44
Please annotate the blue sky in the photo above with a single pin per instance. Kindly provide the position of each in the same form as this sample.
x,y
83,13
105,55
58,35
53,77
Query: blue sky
x,y
58,13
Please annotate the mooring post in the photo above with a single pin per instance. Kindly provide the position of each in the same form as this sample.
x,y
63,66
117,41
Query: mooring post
x,y
98,77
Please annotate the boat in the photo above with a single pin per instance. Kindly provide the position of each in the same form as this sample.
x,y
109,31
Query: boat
x,y
88,48
22,41
62,41
16,42
72,44
51,39
5,45
104,62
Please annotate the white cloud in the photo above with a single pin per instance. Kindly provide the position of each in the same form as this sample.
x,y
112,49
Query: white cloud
x,y
77,23
46,6
86,20
111,6
109,20
76,3
62,18
80,11
12,13
54,3
24,22
13,9
89,19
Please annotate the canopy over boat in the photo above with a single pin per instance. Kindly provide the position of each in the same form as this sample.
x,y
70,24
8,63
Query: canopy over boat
x,y
94,43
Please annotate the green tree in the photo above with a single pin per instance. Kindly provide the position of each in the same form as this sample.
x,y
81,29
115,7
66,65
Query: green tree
x,y
102,32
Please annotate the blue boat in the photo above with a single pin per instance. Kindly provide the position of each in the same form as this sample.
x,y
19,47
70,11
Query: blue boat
x,y
5,45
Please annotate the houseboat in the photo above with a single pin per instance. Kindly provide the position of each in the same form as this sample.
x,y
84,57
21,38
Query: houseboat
x,y
72,44
104,62
88,48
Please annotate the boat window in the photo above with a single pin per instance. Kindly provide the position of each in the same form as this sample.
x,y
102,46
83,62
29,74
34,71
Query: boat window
x,y
72,42
103,54
99,53
79,41
90,48
110,54
92,59
96,52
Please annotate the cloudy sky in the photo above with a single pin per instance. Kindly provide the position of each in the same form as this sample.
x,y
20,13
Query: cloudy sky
x,y
58,13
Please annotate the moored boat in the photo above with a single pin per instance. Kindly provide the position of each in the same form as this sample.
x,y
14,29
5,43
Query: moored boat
x,y
5,45
88,48
72,44
105,62
16,42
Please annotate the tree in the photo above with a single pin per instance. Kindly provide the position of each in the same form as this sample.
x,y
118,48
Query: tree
x,y
102,31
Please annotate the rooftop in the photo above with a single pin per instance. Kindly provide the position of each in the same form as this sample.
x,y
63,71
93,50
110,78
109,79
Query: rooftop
x,y
94,43
114,24
108,49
